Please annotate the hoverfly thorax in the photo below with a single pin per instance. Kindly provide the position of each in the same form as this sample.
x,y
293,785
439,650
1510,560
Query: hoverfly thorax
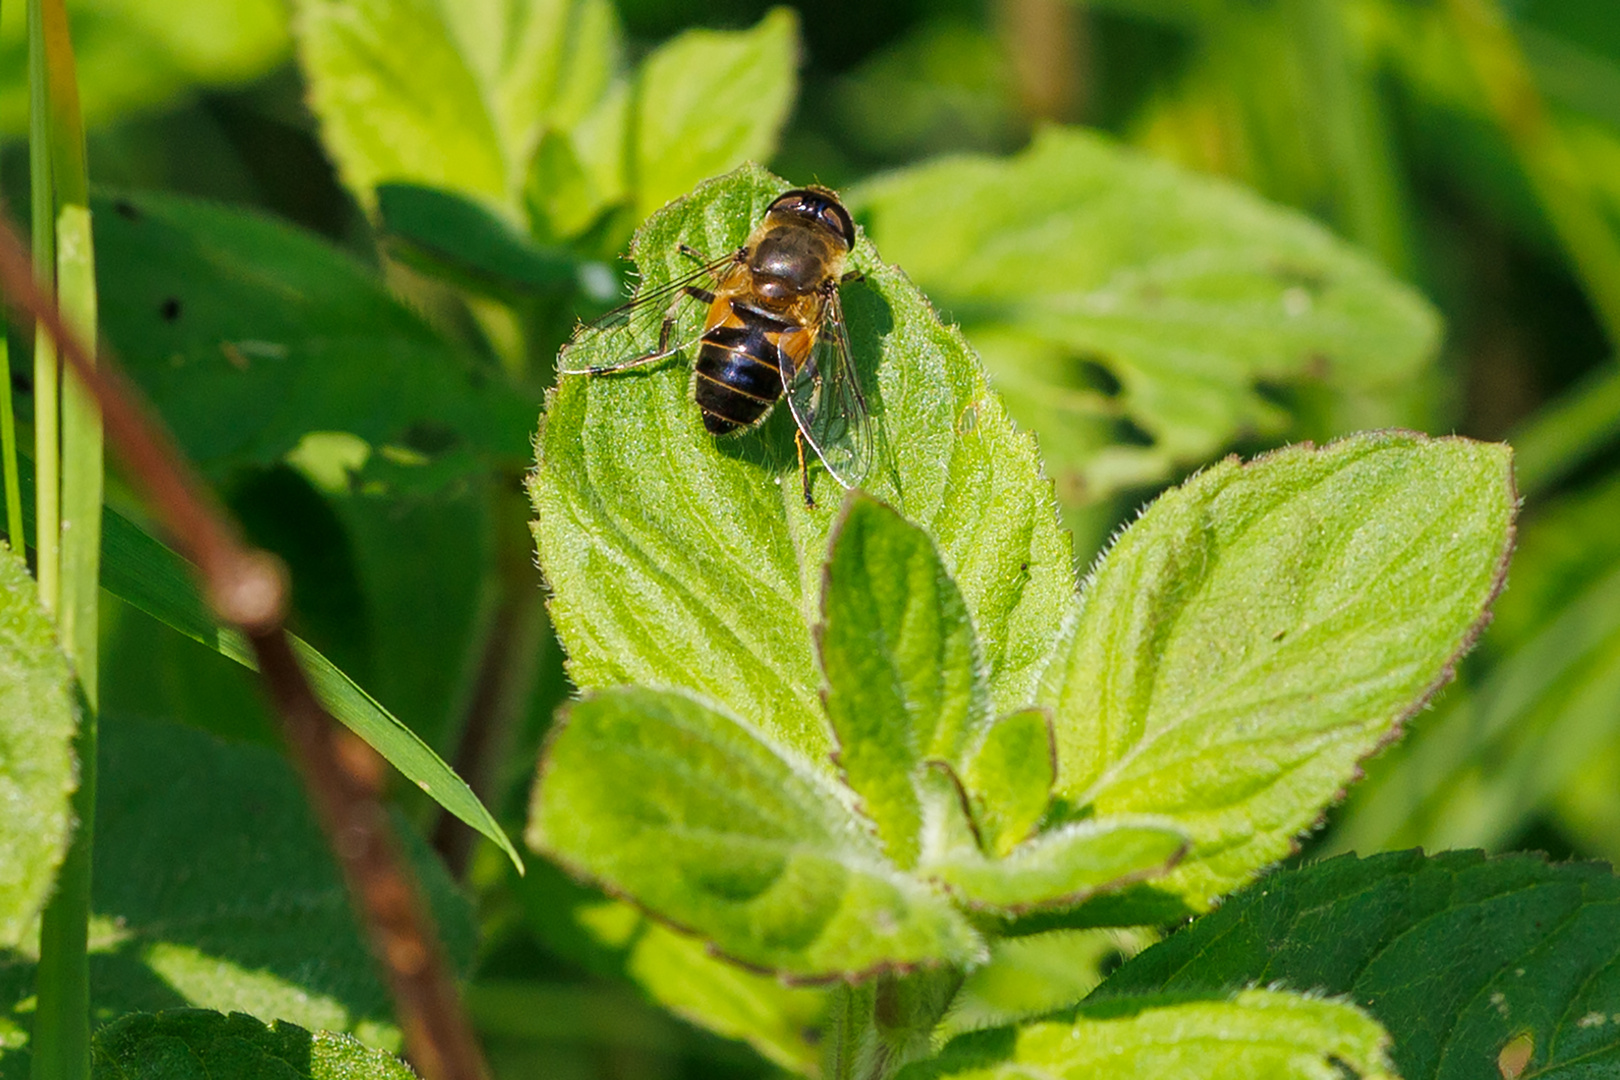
x,y
773,329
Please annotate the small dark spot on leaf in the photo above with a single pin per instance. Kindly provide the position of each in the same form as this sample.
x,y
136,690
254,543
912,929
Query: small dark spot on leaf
x,y
430,437
1279,635
1095,375
126,209
811,1035
1127,431
22,381
1023,568
170,309
1319,366
1304,277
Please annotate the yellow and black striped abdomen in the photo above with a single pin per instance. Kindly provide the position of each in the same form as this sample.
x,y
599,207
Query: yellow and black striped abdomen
x,y
738,375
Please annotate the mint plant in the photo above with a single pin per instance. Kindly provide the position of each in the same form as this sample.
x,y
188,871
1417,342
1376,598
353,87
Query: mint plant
x,y
862,743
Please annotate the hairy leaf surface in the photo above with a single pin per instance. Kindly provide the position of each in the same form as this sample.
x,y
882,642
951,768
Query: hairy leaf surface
x,y
699,819
38,719
676,559
1265,626
905,684
1254,1033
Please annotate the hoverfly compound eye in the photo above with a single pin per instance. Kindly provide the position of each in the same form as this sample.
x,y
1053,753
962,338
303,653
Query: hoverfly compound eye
x,y
819,205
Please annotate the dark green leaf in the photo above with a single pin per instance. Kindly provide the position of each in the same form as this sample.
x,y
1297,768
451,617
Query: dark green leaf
x,y
214,888
1456,954
250,335
152,578
38,720
454,237
197,1044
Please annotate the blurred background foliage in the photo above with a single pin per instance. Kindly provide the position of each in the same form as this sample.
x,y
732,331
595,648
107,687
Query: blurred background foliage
x,y
1471,148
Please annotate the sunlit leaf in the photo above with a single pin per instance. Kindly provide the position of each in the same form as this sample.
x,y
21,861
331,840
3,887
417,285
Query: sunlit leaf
x,y
708,101
1115,295
450,94
1253,1033
905,683
705,823
1263,627
38,719
677,559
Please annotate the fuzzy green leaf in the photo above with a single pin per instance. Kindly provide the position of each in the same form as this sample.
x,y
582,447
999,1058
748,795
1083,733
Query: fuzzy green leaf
x,y
706,824
1254,1033
38,720
1458,955
1500,750
678,559
905,684
449,93
1064,865
680,973
1264,627
250,335
1188,292
1009,779
197,1044
709,100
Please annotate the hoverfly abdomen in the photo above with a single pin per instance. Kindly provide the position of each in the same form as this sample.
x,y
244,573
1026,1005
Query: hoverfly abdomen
x,y
738,373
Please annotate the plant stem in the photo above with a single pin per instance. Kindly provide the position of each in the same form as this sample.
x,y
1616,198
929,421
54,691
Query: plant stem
x,y
1553,170
61,1040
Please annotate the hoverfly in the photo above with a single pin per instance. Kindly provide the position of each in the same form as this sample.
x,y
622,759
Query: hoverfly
x,y
774,329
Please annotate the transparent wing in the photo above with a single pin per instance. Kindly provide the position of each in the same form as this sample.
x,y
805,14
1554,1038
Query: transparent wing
x,y
652,325
828,405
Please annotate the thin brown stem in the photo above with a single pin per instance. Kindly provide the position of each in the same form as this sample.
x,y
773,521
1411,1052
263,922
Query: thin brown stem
x,y
247,588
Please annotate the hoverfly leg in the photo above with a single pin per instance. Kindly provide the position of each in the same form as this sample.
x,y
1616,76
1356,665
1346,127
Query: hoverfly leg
x,y
692,253
804,470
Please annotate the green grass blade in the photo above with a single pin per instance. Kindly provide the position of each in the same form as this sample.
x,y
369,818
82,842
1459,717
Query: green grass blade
x,y
1563,434
8,443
